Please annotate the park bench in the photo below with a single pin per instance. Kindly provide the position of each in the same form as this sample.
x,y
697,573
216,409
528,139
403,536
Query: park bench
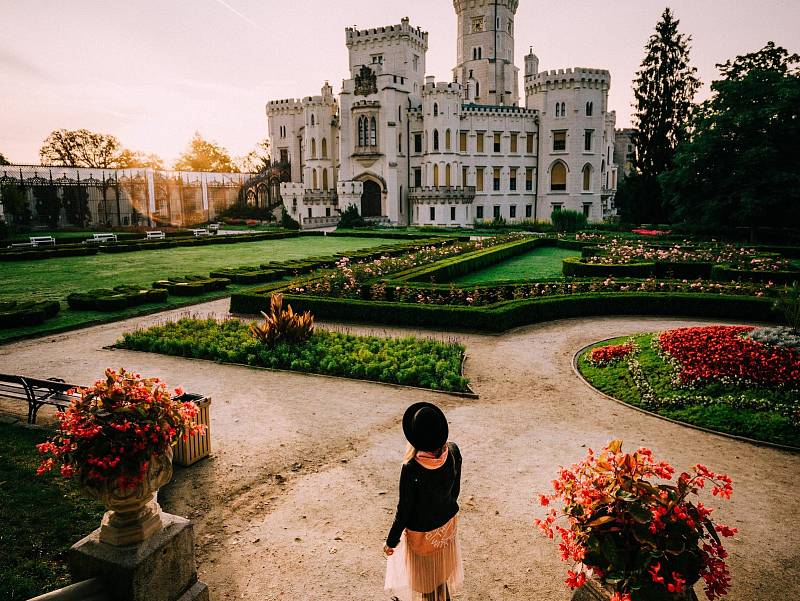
x,y
23,245
213,227
155,235
200,232
42,240
37,393
100,238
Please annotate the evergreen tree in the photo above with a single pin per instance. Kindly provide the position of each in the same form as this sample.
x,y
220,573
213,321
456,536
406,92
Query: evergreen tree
x,y
741,167
664,89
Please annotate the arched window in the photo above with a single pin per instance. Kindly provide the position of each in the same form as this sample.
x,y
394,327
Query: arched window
x,y
477,90
558,177
324,179
558,110
373,132
563,109
312,119
435,175
362,127
447,179
436,139
589,109
435,109
314,182
447,140
324,148
587,178
313,148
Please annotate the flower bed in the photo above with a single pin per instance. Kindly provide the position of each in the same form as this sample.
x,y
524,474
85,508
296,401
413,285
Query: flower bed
x,y
714,377
409,361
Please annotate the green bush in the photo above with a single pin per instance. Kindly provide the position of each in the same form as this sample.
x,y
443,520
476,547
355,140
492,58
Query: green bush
x,y
410,361
287,222
116,299
192,285
788,306
568,221
14,314
574,267
350,218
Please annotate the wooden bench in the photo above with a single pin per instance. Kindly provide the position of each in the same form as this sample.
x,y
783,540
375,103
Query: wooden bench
x,y
42,240
213,227
155,235
100,238
37,393
201,232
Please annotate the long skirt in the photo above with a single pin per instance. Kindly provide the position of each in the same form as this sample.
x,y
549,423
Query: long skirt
x,y
426,566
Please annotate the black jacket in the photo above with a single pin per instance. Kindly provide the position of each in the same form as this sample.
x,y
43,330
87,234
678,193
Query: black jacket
x,y
428,498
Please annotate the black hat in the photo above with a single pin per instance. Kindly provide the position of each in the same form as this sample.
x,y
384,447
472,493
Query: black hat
x,y
425,427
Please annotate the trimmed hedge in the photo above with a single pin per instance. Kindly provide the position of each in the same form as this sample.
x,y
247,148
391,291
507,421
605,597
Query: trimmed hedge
x,y
683,270
726,273
116,299
249,275
511,314
192,285
574,267
14,314
51,252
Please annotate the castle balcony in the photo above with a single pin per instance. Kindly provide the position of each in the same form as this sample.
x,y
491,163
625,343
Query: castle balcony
x,y
442,195
320,197
319,222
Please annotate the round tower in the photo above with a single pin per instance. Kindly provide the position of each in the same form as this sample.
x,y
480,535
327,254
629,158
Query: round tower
x,y
486,50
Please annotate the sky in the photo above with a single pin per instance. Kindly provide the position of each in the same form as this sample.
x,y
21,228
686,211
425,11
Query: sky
x,y
152,72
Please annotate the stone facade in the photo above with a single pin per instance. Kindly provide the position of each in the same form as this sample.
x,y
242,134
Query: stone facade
x,y
406,149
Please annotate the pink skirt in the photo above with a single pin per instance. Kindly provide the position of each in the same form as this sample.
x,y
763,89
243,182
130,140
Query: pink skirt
x,y
426,566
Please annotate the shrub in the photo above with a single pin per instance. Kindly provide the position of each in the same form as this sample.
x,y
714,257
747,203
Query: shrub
x,y
116,299
351,218
788,304
240,212
577,268
14,314
568,221
283,325
287,222
192,285
729,273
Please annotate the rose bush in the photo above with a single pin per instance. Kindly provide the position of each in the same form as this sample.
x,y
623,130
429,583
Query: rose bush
x,y
646,540
111,432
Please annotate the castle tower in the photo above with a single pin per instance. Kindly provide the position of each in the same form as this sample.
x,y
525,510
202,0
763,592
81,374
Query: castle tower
x,y
485,64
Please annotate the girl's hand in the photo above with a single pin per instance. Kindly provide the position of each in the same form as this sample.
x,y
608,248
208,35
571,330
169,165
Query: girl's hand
x,y
387,550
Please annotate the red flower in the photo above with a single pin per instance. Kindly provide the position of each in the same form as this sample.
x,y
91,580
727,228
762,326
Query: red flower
x,y
605,355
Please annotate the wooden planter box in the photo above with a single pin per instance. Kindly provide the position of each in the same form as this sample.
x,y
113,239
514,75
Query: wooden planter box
x,y
188,452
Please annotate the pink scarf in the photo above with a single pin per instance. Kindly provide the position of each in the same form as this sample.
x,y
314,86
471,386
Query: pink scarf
x,y
431,461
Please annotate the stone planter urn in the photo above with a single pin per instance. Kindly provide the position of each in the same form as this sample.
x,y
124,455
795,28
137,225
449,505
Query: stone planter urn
x,y
133,515
594,590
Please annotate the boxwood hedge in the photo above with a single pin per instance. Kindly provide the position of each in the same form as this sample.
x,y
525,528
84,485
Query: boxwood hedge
x,y
115,299
726,273
15,314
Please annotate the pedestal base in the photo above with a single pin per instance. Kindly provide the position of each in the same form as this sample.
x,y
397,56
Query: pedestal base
x,y
161,568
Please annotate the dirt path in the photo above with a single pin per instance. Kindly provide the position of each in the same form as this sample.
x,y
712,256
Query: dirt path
x,y
299,493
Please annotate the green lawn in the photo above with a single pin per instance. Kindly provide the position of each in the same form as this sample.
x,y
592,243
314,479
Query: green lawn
x,y
41,517
542,263
55,279
760,424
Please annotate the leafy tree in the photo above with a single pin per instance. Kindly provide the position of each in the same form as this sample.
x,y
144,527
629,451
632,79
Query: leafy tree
x,y
664,90
568,221
257,160
79,148
350,218
203,155
15,203
4,160
129,159
741,166
48,205
287,222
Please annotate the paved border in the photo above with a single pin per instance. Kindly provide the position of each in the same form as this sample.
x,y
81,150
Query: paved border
x,y
760,443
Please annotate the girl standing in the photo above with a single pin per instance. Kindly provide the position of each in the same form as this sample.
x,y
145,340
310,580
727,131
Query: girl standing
x,y
424,553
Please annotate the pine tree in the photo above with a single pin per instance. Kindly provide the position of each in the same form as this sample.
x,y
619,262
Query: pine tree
x,y
664,90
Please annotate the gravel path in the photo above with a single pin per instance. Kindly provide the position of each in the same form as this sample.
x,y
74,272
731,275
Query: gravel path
x,y
300,490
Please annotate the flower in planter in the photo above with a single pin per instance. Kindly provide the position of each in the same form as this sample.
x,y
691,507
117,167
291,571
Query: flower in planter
x,y
113,430
643,538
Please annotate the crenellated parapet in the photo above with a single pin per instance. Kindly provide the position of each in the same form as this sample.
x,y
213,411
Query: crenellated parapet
x,y
290,106
442,87
462,5
388,34
584,77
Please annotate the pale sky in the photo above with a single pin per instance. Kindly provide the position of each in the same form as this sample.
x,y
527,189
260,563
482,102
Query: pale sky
x,y
152,72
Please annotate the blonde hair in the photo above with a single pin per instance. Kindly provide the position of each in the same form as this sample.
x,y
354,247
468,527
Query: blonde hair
x,y
410,453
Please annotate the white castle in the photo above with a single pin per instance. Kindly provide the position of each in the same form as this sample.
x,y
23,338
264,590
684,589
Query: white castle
x,y
407,150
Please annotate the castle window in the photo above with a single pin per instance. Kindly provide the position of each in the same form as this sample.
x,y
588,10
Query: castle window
x,y
587,140
479,179
514,137
558,110
558,177
362,131
324,148
436,175
512,179
324,179
313,148
496,179
587,207
436,139
418,143
462,141
528,211
464,176
377,59
314,183
447,140
480,143
559,141
452,213
497,24
510,26
589,109
479,212
447,178
563,109
587,178
512,211
417,177
415,62
529,179
373,132
497,140
312,119
496,211
529,144
435,109
400,143
433,213
477,90
284,155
